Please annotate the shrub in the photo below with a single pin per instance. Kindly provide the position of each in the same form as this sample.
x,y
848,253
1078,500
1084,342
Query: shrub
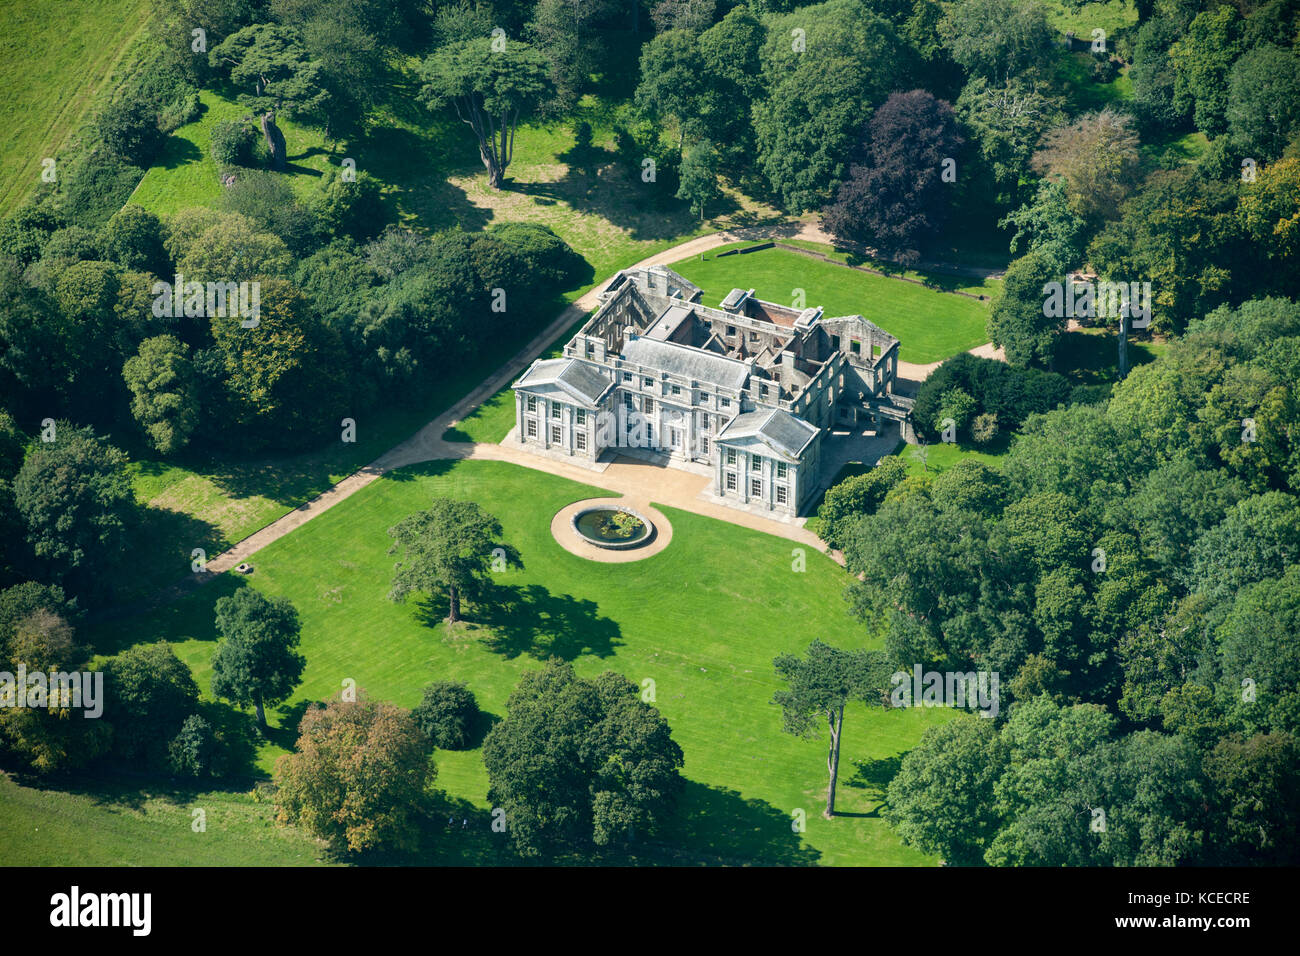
x,y
195,751
96,186
447,715
985,427
232,144
128,129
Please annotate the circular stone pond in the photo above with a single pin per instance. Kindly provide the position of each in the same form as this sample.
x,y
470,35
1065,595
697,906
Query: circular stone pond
x,y
613,527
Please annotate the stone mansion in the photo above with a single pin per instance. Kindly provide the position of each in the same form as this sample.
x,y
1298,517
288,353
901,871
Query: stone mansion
x,y
745,392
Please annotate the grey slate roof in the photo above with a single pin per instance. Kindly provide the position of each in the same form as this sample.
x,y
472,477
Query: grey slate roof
x,y
579,379
690,363
667,324
775,427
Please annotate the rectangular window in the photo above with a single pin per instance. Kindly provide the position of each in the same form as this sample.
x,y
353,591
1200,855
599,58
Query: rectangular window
x,y
532,403
704,446
835,342
556,435
753,336
580,438
726,403
731,481
677,389
627,376
647,382
580,416
855,347
704,422
675,437
731,456
781,495
762,391
756,487
530,428
780,470
755,463
555,409
649,406
731,330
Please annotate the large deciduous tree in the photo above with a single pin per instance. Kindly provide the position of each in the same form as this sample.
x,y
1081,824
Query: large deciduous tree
x,y
165,395
256,661
1097,157
580,762
825,67
1019,321
897,198
75,497
359,777
997,39
448,549
490,90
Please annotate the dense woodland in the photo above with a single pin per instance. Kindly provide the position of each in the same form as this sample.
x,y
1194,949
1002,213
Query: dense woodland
x,y
1130,565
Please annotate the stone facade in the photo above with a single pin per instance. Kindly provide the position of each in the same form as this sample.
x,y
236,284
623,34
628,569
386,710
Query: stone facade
x,y
746,391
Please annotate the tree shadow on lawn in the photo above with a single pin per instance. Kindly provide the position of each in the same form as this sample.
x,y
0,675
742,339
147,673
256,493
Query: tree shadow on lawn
x,y
177,152
874,776
191,617
717,826
531,620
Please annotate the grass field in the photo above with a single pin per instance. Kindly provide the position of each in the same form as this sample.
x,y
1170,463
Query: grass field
x,y
115,825
930,325
703,619
944,281
1113,16
56,58
185,174
941,456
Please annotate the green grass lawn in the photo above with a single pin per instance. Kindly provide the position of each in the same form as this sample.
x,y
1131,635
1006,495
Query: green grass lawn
x,y
703,619
945,281
185,174
56,58
1114,16
930,325
117,825
943,455
1085,94
1173,151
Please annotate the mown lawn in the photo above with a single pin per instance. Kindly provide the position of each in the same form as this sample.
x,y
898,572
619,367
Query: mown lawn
x,y
117,825
185,174
56,58
703,620
945,281
941,456
930,325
